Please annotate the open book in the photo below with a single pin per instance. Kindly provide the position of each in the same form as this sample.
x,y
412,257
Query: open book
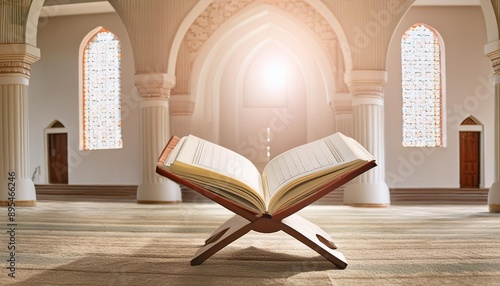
x,y
286,181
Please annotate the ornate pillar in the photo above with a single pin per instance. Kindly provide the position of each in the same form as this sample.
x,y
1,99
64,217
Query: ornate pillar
x,y
493,52
369,189
154,90
15,66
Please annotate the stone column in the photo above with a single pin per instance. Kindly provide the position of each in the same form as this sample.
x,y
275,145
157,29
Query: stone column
x,y
493,52
181,111
154,90
369,189
342,107
15,66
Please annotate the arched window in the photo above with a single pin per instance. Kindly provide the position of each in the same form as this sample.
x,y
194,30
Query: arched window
x,y
101,107
422,74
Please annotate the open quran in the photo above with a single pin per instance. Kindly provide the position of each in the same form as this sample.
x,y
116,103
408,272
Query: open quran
x,y
266,201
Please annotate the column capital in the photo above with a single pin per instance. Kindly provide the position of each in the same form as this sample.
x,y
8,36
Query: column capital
x,y
154,85
491,48
367,86
495,62
181,104
492,51
372,76
16,59
342,103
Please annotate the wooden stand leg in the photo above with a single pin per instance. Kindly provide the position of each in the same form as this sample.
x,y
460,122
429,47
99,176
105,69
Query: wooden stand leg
x,y
228,232
295,225
314,237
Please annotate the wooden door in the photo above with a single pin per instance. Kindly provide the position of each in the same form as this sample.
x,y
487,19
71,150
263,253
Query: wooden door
x,y
58,158
469,159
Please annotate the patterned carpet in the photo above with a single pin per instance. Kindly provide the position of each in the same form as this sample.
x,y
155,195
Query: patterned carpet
x,y
98,243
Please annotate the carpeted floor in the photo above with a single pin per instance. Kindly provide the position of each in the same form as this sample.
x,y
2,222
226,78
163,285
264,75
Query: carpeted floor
x,y
98,243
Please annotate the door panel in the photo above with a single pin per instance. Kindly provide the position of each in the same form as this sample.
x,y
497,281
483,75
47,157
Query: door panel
x,y
469,159
58,158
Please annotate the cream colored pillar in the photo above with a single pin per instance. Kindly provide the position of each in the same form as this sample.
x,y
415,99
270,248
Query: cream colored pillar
x,y
154,90
493,52
15,66
494,192
369,189
342,107
181,111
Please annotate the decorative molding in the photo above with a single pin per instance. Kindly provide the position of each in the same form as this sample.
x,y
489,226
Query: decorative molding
x,y
367,86
371,93
154,85
181,105
154,102
342,103
495,63
16,59
495,60
220,10
15,67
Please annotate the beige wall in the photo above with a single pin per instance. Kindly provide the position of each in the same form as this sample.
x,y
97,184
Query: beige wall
x,y
468,92
53,95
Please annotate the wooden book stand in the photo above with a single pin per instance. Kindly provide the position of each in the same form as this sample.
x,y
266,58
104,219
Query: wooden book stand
x,y
286,220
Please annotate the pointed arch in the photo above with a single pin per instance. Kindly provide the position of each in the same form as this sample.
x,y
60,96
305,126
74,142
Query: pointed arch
x,y
423,92
249,31
471,120
56,124
490,20
316,4
100,91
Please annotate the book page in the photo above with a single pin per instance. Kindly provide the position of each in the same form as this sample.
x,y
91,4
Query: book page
x,y
299,192
214,158
313,159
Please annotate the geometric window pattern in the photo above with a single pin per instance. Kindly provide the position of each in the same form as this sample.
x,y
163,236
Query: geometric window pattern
x,y
101,92
421,82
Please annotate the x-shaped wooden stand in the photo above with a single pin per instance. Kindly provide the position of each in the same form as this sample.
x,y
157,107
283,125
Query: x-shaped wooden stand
x,y
295,225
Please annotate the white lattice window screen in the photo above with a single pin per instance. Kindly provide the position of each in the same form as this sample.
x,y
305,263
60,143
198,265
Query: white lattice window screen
x,y
421,82
101,92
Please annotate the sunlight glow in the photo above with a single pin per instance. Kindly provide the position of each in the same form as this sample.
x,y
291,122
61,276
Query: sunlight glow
x,y
268,78
275,75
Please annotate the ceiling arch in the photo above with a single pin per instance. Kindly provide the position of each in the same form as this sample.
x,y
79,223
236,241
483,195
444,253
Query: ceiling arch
x,y
241,36
207,16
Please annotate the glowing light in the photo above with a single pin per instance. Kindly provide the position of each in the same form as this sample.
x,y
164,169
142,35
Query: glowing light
x,y
268,78
275,75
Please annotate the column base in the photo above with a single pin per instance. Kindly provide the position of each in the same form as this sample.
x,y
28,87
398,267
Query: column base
x,y
24,195
494,198
166,192
367,195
